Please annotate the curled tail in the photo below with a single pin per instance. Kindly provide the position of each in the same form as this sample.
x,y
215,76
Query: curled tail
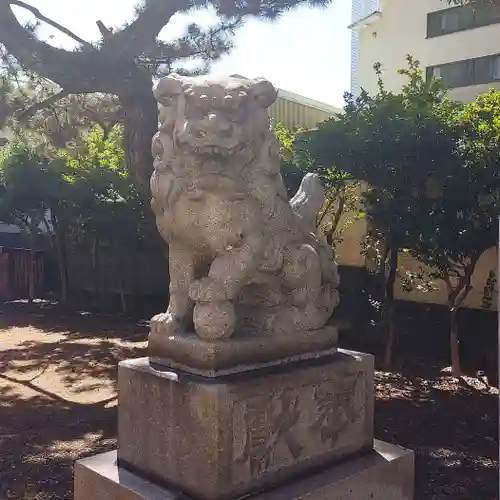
x,y
308,200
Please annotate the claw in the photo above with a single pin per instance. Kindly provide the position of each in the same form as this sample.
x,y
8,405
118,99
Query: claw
x,y
165,324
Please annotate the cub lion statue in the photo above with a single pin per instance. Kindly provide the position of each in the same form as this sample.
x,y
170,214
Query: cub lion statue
x,y
243,258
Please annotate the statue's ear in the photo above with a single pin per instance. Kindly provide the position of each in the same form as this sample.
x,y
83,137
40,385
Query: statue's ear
x,y
264,92
167,87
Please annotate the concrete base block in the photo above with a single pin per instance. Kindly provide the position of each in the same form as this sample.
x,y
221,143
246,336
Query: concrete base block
x,y
386,473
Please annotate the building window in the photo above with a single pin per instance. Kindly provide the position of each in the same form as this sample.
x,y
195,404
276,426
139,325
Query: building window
x,y
450,21
496,68
481,70
443,22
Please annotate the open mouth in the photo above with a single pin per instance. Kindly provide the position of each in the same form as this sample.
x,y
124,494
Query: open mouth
x,y
215,149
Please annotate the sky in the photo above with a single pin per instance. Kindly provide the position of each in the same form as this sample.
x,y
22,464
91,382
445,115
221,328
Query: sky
x,y
307,51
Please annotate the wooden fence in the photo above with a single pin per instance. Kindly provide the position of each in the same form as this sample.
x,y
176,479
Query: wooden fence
x,y
15,266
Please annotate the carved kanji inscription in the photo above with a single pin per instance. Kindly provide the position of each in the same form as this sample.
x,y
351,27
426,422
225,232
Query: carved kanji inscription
x,y
290,425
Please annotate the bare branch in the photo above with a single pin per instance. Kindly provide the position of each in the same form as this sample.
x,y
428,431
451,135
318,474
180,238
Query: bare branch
x,y
23,115
105,32
338,214
446,278
41,58
328,207
463,287
462,296
36,12
141,34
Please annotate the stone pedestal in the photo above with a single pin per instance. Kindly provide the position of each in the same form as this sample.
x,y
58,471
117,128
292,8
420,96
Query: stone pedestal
x,y
228,436
385,473
297,429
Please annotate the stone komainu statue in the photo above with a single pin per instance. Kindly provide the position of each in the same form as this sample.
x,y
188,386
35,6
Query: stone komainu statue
x,y
243,257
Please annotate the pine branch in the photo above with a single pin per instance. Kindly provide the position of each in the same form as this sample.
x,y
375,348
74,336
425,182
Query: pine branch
x,y
267,9
484,3
208,45
36,12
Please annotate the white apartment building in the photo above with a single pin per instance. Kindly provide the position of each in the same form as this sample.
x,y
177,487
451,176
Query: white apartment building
x,y
459,44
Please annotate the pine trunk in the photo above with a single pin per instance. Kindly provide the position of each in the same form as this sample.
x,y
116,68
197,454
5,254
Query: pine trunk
x,y
140,125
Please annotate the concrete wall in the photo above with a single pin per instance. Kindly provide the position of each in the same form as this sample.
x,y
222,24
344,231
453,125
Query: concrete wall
x,y
401,29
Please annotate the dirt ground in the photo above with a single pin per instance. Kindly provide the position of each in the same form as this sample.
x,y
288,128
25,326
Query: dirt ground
x,y
57,404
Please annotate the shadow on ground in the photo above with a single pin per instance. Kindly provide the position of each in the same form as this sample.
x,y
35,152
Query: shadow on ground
x,y
57,404
57,394
451,425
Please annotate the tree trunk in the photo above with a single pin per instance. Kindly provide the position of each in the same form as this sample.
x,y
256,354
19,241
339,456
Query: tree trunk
x,y
456,368
140,125
121,282
456,298
94,254
330,235
61,258
389,307
32,265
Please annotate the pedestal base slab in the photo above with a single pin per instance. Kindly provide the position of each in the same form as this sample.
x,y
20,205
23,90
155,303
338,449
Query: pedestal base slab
x,y
189,353
386,473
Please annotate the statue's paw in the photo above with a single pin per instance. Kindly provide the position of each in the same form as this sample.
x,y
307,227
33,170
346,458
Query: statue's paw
x,y
207,290
165,324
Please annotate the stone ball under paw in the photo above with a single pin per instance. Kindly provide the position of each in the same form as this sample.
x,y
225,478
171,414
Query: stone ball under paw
x,y
214,320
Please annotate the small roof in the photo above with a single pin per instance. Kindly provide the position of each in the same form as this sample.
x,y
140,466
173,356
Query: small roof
x,y
300,99
365,21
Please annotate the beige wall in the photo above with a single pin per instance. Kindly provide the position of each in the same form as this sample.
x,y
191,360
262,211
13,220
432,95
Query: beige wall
x,y
487,262
402,29
348,253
